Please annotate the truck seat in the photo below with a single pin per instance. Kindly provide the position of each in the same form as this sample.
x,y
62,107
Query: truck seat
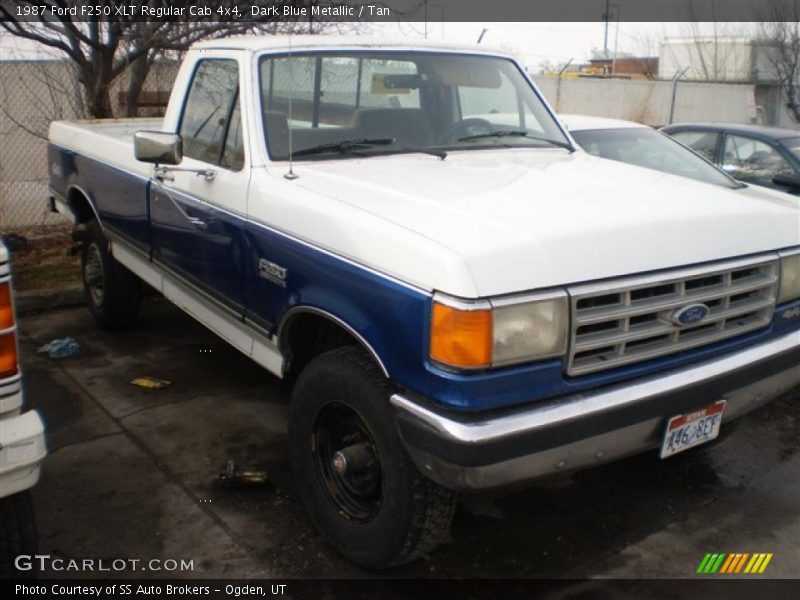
x,y
409,126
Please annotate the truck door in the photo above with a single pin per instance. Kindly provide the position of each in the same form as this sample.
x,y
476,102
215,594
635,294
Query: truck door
x,y
197,215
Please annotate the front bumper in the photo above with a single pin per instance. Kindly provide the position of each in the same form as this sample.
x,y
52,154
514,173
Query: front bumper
x,y
22,450
22,442
568,433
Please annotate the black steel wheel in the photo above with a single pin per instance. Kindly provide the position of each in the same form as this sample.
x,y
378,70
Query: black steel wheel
x,y
112,291
355,479
347,461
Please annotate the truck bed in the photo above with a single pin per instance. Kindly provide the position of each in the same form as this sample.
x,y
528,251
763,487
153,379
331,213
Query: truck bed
x,y
108,140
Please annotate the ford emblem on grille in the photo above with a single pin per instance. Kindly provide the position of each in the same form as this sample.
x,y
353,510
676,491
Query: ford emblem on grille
x,y
689,315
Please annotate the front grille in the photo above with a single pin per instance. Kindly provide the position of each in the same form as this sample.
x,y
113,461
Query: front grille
x,y
629,320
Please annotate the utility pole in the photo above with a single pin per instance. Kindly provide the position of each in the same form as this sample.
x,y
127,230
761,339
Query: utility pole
x,y
606,17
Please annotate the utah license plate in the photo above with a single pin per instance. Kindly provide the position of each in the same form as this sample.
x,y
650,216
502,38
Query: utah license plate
x,y
692,429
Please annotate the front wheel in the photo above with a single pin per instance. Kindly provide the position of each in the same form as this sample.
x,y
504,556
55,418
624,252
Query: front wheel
x,y
355,479
112,291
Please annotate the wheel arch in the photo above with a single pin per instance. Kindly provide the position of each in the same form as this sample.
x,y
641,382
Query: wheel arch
x,y
330,330
81,205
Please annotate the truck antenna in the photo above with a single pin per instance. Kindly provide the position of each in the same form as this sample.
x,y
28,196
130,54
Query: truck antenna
x,y
291,175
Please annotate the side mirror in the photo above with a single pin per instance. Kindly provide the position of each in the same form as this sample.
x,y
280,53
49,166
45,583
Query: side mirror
x,y
789,181
158,147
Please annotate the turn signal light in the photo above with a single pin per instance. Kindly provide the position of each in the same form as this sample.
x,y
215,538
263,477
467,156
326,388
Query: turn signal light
x,y
6,308
8,355
461,338
8,341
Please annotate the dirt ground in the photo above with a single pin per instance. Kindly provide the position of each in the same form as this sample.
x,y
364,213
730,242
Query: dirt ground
x,y
43,261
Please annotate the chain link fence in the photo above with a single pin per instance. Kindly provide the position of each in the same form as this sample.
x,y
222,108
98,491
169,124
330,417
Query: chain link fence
x,y
654,103
32,95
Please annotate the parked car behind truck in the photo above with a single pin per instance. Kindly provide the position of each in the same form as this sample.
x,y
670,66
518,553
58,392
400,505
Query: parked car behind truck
x,y
765,156
465,304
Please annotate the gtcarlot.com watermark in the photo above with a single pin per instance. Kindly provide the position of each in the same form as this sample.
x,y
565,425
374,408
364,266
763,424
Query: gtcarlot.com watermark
x,y
45,562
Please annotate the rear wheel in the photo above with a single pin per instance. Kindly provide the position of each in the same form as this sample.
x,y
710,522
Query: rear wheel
x,y
356,481
112,291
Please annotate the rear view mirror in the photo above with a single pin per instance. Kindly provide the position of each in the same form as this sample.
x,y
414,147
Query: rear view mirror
x,y
158,147
784,180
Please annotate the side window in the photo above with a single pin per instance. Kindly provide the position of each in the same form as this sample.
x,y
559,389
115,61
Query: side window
x,y
337,91
753,160
702,142
346,84
211,124
374,91
290,79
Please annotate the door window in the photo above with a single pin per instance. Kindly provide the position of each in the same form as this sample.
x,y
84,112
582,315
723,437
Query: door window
x,y
211,126
753,160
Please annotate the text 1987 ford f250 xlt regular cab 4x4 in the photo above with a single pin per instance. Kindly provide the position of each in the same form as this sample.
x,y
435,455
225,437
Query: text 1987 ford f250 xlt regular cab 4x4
x,y
465,304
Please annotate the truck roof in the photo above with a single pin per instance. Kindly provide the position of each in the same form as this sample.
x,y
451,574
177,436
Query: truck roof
x,y
282,42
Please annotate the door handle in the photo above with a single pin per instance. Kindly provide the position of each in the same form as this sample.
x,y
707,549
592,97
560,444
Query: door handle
x,y
199,223
166,173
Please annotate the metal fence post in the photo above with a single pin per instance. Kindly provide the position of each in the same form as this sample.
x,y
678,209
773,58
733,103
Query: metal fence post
x,y
558,85
675,80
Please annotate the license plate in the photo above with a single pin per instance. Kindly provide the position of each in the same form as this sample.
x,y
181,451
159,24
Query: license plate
x,y
690,430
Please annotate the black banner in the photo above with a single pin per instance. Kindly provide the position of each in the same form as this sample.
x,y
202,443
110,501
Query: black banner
x,y
402,10
390,589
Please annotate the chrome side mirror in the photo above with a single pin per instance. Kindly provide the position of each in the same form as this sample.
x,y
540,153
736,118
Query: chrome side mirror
x,y
158,147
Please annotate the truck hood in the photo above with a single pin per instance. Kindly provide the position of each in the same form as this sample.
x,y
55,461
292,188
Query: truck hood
x,y
526,219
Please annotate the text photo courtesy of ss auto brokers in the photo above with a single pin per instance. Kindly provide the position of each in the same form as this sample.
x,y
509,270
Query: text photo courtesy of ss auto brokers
x,y
301,298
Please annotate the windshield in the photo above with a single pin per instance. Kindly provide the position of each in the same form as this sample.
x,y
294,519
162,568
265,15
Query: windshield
x,y
369,103
653,150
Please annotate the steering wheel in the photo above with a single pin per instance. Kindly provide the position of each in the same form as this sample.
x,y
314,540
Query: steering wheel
x,y
466,128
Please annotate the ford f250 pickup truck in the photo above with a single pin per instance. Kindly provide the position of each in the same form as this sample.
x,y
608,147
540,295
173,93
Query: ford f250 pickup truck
x,y
462,304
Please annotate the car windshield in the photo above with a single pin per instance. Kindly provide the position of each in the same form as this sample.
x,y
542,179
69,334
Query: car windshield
x,y
653,150
333,105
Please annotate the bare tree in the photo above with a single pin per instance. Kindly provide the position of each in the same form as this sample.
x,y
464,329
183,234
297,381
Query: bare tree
x,y
102,48
710,51
780,33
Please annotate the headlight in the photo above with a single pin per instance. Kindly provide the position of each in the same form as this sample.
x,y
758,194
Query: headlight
x,y
497,332
790,277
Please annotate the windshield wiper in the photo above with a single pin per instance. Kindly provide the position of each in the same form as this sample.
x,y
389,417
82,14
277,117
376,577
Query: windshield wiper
x,y
344,146
517,133
438,152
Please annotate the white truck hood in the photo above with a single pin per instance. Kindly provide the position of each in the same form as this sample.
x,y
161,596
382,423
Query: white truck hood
x,y
526,219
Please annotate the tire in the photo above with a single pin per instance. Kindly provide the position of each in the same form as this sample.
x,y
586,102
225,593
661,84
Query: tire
x,y
112,291
17,534
386,514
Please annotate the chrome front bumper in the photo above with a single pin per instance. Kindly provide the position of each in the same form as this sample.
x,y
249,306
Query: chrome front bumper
x,y
583,430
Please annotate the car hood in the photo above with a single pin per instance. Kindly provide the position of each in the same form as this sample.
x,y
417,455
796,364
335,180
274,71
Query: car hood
x,y
526,219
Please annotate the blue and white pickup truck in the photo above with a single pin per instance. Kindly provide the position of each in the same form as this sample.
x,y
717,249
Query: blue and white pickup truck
x,y
462,304
22,442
